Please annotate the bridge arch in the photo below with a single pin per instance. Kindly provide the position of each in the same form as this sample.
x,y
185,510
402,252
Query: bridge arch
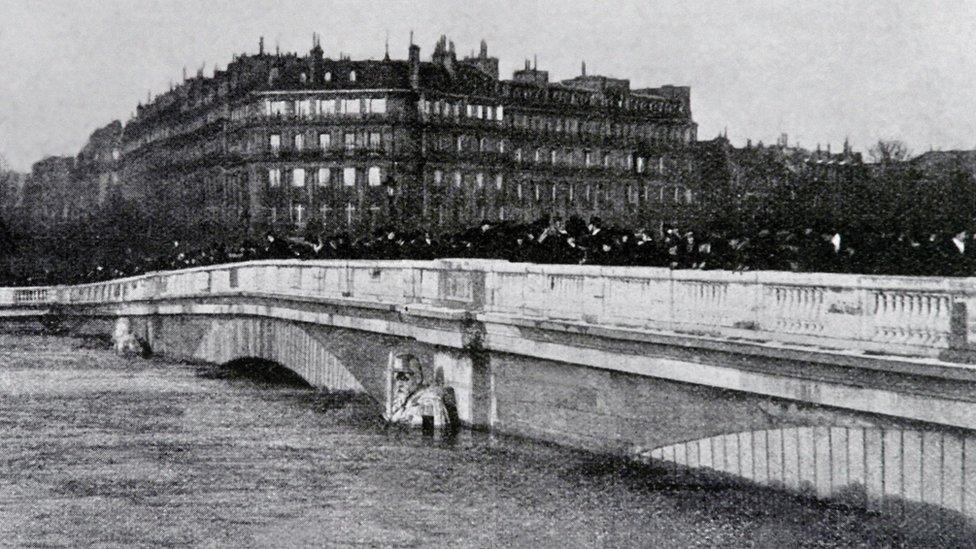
x,y
870,466
331,359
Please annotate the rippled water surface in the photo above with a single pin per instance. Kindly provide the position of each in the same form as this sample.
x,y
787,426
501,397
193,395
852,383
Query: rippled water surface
x,y
98,449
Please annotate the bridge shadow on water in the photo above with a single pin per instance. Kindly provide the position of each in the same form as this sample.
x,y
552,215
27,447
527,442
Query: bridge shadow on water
x,y
265,374
256,370
716,497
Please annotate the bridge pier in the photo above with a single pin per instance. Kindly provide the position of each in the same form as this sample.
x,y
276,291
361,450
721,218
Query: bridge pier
x,y
469,375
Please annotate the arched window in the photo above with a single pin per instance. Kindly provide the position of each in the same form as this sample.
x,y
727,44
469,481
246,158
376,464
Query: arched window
x,y
352,76
328,76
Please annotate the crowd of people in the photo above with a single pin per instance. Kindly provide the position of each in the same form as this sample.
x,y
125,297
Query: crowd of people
x,y
574,241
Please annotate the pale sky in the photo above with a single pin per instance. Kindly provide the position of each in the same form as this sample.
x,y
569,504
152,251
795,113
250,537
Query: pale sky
x,y
816,70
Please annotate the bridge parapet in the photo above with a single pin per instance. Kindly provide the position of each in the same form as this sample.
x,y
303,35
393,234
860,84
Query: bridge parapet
x,y
913,316
888,315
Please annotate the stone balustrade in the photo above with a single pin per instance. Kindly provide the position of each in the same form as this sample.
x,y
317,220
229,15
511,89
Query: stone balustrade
x,y
887,315
913,316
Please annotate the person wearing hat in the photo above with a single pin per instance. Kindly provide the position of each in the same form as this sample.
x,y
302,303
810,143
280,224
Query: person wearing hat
x,y
956,255
597,242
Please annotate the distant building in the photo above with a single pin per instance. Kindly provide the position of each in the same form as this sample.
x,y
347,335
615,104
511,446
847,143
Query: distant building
x,y
98,163
49,195
281,140
61,189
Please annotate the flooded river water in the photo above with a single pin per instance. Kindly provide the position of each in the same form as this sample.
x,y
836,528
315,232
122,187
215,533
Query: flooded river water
x,y
101,450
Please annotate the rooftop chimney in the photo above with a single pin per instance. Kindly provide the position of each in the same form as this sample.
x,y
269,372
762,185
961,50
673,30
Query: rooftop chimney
x,y
414,58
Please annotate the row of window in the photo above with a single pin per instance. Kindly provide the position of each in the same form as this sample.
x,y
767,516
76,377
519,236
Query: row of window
x,y
166,131
464,143
568,157
327,77
587,158
114,154
651,192
307,108
603,128
457,179
461,109
579,97
373,140
373,176
299,212
555,124
363,139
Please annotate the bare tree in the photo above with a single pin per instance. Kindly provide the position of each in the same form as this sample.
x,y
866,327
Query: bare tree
x,y
889,151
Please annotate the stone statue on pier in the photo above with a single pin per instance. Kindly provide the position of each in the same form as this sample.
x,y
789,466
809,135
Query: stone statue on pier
x,y
412,402
125,342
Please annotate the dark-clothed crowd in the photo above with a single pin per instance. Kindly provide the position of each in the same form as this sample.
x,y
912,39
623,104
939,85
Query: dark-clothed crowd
x,y
575,241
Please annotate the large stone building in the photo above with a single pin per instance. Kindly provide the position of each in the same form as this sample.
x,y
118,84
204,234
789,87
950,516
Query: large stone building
x,y
282,140
62,189
98,163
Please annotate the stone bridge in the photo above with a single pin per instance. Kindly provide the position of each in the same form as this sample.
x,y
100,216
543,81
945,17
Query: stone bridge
x,y
849,386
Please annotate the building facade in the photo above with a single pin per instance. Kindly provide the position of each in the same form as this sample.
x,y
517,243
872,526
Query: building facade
x,y
281,140
62,189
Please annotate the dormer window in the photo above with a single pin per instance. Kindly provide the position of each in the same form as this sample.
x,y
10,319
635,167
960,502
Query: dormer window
x,y
328,76
352,76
